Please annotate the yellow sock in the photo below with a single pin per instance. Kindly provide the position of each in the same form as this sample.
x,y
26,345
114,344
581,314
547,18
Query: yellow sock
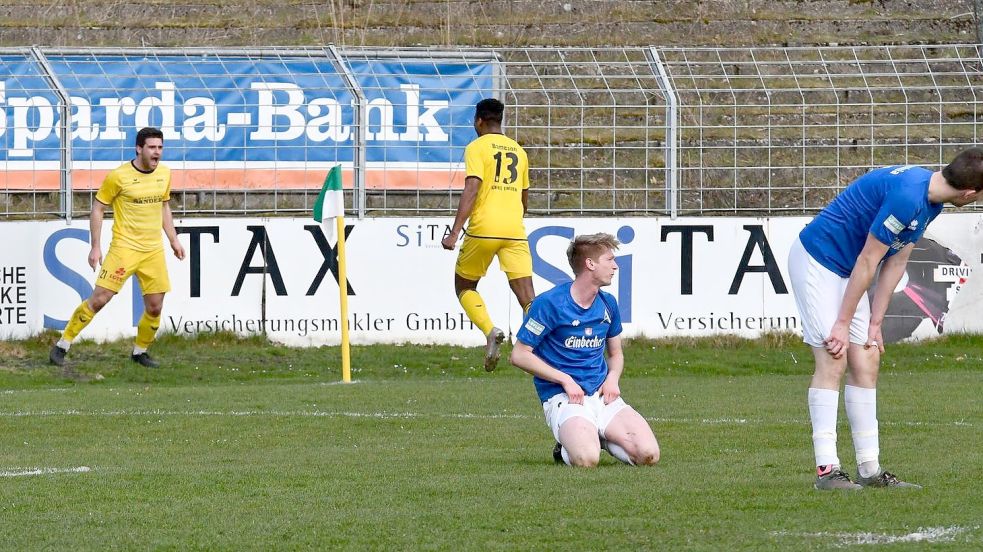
x,y
474,306
146,330
80,319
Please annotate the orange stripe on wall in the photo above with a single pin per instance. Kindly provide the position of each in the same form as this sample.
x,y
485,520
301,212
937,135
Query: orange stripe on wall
x,y
245,179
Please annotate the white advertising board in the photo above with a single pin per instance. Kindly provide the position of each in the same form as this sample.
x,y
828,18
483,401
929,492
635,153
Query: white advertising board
x,y
688,276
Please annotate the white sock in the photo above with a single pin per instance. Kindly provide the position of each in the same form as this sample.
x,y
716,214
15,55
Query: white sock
x,y
138,350
62,344
618,452
822,412
861,410
566,457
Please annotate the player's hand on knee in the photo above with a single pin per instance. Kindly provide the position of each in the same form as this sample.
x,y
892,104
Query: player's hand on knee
x,y
838,340
834,346
610,391
874,338
574,392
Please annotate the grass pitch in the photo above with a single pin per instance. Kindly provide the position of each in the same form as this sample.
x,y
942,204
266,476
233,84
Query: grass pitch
x,y
243,445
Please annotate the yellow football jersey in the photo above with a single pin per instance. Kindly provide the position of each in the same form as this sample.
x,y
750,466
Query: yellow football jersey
x,y
136,198
503,168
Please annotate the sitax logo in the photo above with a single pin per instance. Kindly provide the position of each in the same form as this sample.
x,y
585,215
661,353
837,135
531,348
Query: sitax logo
x,y
557,276
422,235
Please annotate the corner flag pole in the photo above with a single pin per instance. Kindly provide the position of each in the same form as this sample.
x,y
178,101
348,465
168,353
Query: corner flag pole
x,y
346,361
330,204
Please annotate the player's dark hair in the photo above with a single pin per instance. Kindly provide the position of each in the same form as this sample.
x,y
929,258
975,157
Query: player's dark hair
x,y
490,109
148,132
589,246
965,172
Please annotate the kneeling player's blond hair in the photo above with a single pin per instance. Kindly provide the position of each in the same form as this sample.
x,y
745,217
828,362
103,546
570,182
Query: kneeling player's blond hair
x,y
589,246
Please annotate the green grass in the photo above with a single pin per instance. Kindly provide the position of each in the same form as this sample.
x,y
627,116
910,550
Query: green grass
x,y
243,445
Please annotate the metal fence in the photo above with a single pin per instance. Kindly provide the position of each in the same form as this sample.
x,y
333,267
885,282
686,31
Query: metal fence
x,y
661,131
782,130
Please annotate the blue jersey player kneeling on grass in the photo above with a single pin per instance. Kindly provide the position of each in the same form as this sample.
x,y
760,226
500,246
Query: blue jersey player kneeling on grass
x,y
570,342
869,229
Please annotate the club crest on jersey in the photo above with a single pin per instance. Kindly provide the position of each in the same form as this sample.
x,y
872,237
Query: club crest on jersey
x,y
588,331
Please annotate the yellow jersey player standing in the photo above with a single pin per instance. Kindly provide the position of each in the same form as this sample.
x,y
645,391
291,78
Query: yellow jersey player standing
x,y
138,191
495,198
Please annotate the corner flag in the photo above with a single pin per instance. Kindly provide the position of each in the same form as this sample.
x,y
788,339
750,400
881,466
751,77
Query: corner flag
x,y
330,202
329,210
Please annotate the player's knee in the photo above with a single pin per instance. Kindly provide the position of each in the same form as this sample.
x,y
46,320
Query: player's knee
x,y
97,302
647,455
153,307
585,459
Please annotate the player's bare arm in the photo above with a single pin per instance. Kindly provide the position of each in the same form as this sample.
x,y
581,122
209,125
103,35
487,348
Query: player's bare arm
x,y
96,216
470,193
167,222
891,272
525,358
525,201
860,279
611,388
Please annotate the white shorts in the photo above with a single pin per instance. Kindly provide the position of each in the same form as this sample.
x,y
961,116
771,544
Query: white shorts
x,y
558,410
818,295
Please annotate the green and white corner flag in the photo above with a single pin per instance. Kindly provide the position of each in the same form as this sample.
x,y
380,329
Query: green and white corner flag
x,y
329,210
330,202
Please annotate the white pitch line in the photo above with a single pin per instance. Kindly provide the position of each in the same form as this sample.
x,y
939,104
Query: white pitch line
x,y
407,415
20,391
43,471
922,534
257,413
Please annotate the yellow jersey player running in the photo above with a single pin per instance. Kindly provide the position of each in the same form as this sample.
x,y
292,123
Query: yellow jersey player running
x,y
495,197
138,192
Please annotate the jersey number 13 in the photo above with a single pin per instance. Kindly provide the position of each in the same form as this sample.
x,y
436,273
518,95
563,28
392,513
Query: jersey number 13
x,y
512,163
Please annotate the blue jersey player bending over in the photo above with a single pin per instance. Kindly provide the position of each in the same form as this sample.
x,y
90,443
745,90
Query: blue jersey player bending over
x,y
569,342
873,224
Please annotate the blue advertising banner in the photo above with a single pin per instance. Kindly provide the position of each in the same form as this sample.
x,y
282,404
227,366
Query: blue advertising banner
x,y
28,110
240,112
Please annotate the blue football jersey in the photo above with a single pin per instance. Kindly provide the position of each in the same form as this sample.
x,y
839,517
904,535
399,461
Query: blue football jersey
x,y
571,338
891,203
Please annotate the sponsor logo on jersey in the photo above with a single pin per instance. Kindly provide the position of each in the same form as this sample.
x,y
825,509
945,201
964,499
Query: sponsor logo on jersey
x,y
580,342
893,224
535,327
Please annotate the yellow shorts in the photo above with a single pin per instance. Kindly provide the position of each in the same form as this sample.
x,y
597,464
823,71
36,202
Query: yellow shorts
x,y
477,253
120,263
